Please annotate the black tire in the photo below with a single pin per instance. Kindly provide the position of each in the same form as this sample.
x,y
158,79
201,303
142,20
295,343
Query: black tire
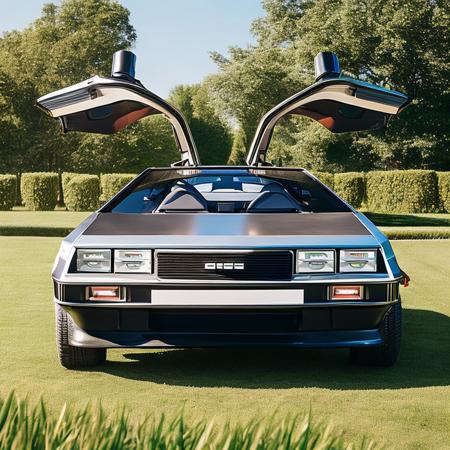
x,y
72,357
386,354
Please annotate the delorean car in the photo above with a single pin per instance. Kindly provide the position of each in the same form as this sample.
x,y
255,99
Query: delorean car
x,y
220,256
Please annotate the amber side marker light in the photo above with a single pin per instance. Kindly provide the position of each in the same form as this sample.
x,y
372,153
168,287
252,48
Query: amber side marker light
x,y
347,292
104,293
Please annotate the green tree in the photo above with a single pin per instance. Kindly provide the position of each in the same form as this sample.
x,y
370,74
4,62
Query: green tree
x,y
403,45
239,148
67,44
211,133
147,143
250,82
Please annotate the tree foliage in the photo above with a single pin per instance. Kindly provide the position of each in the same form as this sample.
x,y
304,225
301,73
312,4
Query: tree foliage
x,y
66,44
403,45
147,143
239,148
250,82
211,133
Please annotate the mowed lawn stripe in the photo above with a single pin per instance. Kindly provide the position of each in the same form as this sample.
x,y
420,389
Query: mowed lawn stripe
x,y
407,406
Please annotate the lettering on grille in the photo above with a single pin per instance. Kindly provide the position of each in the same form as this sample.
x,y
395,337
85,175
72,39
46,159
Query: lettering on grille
x,y
224,266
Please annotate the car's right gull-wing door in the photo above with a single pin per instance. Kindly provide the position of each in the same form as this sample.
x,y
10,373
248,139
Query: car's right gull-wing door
x,y
106,105
340,104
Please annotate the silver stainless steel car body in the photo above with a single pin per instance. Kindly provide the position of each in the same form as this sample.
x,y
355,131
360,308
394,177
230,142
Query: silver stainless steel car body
x,y
222,231
217,305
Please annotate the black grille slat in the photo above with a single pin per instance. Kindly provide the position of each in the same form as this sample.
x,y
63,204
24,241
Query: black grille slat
x,y
258,266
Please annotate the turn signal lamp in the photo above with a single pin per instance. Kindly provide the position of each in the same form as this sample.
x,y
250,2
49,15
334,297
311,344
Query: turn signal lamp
x,y
346,292
105,294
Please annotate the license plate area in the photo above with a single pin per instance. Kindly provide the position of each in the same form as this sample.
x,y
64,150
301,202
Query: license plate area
x,y
227,297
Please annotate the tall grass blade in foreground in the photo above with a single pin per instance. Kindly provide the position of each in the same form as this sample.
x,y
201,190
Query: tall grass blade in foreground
x,y
25,426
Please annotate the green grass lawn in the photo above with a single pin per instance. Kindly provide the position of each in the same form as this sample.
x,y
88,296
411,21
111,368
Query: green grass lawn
x,y
406,406
416,232
409,220
59,218
21,222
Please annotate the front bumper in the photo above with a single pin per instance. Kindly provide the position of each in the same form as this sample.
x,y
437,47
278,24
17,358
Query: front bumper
x,y
310,325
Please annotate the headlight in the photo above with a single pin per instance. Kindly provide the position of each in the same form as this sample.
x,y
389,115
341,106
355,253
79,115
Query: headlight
x,y
89,260
315,261
133,261
358,261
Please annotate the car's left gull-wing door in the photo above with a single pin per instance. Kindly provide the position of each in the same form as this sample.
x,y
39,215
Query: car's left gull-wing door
x,y
107,105
340,104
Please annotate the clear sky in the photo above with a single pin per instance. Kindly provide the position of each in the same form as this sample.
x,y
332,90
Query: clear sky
x,y
174,36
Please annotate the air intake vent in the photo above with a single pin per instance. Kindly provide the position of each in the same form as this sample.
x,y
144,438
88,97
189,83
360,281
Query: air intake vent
x,y
252,265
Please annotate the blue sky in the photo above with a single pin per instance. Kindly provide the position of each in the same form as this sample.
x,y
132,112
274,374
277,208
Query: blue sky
x,y
174,36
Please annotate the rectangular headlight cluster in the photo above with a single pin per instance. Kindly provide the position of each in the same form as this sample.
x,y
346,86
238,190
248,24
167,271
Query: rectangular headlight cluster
x,y
125,261
315,261
91,260
132,261
358,261
324,261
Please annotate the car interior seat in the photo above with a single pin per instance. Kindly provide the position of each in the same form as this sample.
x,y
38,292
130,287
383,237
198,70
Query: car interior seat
x,y
273,202
273,187
182,200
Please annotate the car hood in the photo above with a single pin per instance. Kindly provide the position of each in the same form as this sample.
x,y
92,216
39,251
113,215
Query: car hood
x,y
198,230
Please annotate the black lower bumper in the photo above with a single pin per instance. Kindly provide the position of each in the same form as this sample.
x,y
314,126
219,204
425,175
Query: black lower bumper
x,y
312,326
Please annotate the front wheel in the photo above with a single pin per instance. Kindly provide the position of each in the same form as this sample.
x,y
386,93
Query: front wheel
x,y
387,353
72,357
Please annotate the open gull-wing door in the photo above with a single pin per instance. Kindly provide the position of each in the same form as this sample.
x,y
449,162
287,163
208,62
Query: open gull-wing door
x,y
340,104
106,105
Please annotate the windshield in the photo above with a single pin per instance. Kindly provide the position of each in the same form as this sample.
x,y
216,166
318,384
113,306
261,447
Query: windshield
x,y
239,191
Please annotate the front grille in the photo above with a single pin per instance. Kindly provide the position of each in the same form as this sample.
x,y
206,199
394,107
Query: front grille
x,y
256,265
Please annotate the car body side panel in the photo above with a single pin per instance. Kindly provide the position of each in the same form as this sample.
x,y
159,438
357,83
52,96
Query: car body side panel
x,y
65,252
384,243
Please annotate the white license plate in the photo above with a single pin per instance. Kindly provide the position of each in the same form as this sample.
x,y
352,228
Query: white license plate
x,y
227,297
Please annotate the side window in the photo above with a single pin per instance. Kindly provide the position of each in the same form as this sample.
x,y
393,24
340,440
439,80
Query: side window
x,y
141,201
316,198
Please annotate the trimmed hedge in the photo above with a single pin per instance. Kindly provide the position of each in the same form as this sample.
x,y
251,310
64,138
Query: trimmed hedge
x,y
82,193
351,186
402,191
8,192
326,178
398,191
112,183
39,190
65,178
444,190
